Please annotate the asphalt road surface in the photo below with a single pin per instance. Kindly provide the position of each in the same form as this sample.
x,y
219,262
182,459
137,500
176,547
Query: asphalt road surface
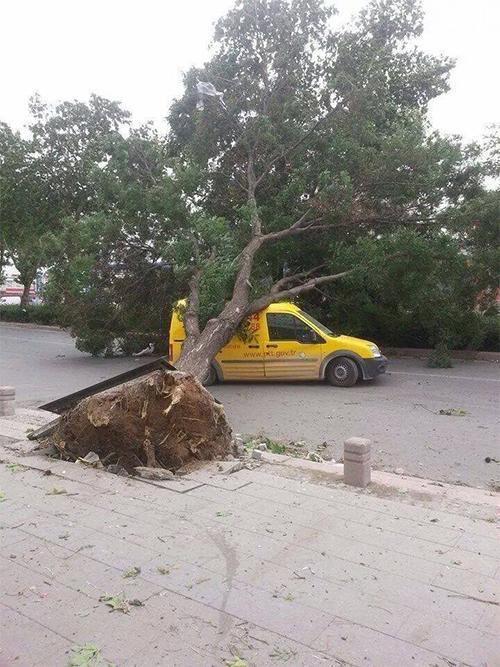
x,y
399,412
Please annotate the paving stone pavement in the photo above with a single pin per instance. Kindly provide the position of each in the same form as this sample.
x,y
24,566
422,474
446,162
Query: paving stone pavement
x,y
252,565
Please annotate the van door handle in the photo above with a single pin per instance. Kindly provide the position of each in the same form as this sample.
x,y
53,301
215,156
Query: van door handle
x,y
253,346
271,345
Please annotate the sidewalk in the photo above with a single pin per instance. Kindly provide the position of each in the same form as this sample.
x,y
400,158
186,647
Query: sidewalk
x,y
256,565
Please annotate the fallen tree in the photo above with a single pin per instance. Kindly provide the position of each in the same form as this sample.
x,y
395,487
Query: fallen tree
x,y
165,419
299,138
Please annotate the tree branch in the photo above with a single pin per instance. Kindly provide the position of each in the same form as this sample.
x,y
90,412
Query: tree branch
x,y
252,201
191,316
301,226
286,280
310,284
242,282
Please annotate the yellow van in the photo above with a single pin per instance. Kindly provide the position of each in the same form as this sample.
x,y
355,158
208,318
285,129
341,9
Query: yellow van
x,y
282,342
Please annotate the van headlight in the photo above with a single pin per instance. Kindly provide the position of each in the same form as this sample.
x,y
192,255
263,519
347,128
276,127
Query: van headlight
x,y
375,350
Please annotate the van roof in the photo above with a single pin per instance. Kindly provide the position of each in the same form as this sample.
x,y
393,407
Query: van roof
x,y
280,306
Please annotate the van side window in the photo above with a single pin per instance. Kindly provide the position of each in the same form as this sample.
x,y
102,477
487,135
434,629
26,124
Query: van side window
x,y
283,326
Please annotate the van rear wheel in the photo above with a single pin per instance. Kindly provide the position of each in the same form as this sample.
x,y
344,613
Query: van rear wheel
x,y
342,372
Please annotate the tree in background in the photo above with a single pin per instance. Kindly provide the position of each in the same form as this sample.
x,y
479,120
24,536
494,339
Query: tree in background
x,y
422,298
28,212
441,287
115,281
50,177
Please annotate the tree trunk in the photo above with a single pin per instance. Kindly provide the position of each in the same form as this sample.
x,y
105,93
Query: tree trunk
x,y
25,296
198,351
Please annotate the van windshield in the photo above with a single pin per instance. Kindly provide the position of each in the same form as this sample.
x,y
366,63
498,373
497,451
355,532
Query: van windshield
x,y
317,324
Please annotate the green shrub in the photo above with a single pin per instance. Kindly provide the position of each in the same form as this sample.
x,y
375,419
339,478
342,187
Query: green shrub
x,y
440,357
39,314
489,333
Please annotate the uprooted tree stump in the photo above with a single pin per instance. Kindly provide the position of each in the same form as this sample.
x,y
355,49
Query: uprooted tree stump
x,y
164,419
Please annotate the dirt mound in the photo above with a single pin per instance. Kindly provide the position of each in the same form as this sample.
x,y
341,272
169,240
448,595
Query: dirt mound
x,y
163,419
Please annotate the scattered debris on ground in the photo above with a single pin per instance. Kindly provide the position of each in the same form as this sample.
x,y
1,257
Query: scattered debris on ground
x,y
154,473
314,456
284,654
56,491
131,572
15,467
91,459
453,412
161,420
255,445
449,412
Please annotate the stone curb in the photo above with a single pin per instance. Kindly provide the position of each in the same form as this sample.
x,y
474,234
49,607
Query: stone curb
x,y
424,353
32,325
393,481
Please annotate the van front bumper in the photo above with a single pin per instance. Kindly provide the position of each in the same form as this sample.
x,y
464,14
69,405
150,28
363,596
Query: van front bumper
x,y
373,367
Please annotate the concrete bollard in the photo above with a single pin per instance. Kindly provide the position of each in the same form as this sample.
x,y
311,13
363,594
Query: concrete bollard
x,y
7,401
357,462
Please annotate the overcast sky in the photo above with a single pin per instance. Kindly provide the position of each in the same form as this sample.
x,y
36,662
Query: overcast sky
x,y
135,51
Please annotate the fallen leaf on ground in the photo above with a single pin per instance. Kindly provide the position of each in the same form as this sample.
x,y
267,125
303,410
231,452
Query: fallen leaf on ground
x,y
55,491
284,654
2,497
236,661
453,412
163,570
87,655
131,572
116,602
15,467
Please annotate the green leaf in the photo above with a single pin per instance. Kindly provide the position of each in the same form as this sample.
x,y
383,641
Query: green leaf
x,y
116,602
3,497
15,467
131,572
236,661
88,655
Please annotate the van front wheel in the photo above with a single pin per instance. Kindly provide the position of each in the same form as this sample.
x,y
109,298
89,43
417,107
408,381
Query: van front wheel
x,y
342,372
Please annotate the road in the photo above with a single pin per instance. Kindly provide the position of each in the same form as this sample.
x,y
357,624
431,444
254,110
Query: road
x,y
399,412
